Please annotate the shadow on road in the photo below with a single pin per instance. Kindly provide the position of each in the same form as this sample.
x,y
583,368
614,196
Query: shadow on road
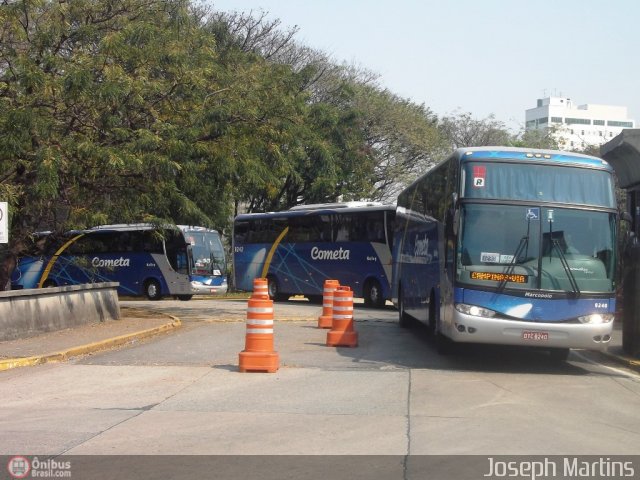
x,y
413,347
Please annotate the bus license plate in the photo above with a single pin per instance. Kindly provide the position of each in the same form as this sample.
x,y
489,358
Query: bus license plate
x,y
536,336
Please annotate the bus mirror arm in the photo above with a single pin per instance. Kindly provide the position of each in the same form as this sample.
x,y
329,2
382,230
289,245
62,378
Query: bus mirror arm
x,y
456,213
456,221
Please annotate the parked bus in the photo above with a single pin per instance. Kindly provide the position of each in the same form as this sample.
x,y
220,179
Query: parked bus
x,y
509,246
181,261
297,250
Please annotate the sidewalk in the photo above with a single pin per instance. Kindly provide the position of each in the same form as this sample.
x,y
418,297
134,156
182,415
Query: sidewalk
x,y
134,325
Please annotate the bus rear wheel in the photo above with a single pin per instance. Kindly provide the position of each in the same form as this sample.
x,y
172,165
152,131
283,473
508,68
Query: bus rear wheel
x,y
152,290
373,294
274,290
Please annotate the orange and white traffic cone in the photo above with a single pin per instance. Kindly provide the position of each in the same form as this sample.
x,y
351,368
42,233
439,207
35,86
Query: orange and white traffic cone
x,y
260,287
258,354
326,319
342,333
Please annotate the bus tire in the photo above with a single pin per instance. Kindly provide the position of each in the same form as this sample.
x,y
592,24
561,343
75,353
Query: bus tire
x,y
432,320
444,345
185,298
316,299
373,294
404,320
49,284
152,290
274,289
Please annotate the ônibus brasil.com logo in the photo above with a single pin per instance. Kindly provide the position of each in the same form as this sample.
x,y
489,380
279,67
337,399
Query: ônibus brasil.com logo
x,y
20,467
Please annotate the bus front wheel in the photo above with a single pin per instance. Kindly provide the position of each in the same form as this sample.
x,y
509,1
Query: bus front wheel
x,y
404,319
152,290
444,345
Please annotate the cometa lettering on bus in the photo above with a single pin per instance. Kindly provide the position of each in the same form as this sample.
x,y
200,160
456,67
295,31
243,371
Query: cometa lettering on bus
x,y
339,254
118,262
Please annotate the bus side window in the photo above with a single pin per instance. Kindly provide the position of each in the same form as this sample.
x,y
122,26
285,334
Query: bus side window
x,y
181,264
151,242
342,228
240,232
378,232
324,228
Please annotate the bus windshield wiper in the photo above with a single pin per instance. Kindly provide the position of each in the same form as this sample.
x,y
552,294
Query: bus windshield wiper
x,y
524,243
563,260
567,268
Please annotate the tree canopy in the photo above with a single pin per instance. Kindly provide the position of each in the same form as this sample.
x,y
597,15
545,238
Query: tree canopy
x,y
166,111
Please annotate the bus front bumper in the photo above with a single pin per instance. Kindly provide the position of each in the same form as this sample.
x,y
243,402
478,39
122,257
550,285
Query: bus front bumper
x,y
198,288
474,329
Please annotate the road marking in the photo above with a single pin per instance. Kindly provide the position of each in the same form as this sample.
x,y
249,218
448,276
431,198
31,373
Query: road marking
x,y
628,373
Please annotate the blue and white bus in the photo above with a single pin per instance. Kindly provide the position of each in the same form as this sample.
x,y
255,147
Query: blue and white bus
x,y
179,261
509,246
297,250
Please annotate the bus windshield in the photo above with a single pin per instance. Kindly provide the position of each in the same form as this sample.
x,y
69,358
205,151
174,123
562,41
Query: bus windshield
x,y
538,183
207,253
536,248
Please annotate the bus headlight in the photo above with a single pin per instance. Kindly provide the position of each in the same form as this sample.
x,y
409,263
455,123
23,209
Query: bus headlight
x,y
597,318
474,310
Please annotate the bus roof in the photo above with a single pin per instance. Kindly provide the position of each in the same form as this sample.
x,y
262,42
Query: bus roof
x,y
128,227
321,206
531,155
322,209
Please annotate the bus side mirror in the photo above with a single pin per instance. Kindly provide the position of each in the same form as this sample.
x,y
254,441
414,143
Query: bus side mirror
x,y
626,217
456,221
456,213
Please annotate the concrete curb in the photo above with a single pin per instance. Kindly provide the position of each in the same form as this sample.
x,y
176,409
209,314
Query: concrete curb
x,y
106,344
623,361
243,320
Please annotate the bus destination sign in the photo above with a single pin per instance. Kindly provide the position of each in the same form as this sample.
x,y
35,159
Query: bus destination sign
x,y
499,277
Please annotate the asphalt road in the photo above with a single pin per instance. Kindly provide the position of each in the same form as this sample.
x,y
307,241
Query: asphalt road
x,y
182,394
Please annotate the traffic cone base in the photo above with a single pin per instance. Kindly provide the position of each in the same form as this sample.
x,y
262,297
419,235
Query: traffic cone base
x,y
342,339
259,362
325,321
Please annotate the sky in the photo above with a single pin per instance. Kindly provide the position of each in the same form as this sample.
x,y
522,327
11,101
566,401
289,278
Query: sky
x,y
479,56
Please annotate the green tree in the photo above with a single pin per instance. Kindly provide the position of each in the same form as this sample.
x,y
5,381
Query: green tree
x,y
286,144
96,97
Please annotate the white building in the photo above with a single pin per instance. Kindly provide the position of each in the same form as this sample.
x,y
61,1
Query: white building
x,y
578,126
